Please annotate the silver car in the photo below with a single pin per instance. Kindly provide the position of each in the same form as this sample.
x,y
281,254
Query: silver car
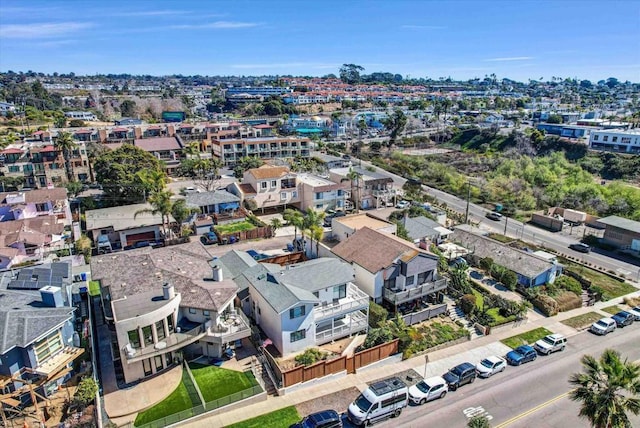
x,y
490,366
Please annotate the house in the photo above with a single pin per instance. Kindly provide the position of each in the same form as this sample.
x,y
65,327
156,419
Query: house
x,y
166,149
38,344
268,187
5,108
395,273
371,189
344,227
423,229
622,233
320,194
30,239
35,203
167,304
303,304
531,270
82,115
223,206
122,225
332,162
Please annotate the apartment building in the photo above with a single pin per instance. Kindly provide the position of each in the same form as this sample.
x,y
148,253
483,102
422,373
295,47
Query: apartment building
x,y
616,141
230,151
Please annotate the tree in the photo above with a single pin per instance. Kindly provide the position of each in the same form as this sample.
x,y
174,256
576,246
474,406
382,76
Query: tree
x,y
86,392
275,224
73,188
128,108
377,315
83,246
160,204
117,172
480,421
295,218
350,73
608,390
77,123
395,124
554,118
65,144
180,211
245,163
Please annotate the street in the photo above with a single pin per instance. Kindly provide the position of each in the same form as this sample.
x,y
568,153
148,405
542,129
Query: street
x,y
525,396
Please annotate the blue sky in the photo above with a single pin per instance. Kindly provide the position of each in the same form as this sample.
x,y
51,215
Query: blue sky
x,y
426,38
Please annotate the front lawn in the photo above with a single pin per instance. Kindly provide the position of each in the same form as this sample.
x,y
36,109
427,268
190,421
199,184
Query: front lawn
x,y
177,401
282,418
611,287
215,382
583,320
241,226
612,309
526,338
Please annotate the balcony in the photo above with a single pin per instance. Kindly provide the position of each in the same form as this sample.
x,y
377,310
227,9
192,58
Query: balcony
x,y
400,296
55,363
353,323
354,301
173,342
235,327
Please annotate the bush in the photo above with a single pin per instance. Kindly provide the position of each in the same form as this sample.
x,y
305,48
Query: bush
x,y
486,264
86,392
468,303
545,304
569,284
509,279
310,356
568,300
377,315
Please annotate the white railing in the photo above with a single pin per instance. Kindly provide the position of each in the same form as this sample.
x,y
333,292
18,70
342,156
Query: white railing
x,y
236,327
414,293
358,322
354,301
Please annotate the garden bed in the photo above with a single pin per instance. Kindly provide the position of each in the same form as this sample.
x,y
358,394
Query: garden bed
x,y
611,287
241,226
582,321
434,332
526,338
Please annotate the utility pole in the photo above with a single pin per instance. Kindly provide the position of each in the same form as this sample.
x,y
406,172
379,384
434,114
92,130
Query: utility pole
x,y
506,220
466,215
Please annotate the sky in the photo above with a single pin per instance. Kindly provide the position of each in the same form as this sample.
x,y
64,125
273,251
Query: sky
x,y
516,39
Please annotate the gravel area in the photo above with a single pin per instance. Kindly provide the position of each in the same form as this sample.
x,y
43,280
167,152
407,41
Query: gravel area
x,y
338,401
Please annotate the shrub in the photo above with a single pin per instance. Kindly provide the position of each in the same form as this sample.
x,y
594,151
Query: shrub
x,y
468,303
569,284
377,315
86,392
545,304
509,279
631,301
486,264
310,356
568,300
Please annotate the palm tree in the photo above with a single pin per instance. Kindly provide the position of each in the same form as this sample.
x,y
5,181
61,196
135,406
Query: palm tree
x,y
295,218
65,144
313,224
160,204
152,181
608,390
192,149
316,232
181,211
275,225
352,176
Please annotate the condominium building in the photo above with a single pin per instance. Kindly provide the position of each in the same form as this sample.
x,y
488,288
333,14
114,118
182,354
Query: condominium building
x,y
616,141
230,151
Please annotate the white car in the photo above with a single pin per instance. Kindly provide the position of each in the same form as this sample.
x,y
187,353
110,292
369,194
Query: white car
x,y
402,205
635,312
428,389
550,343
603,326
490,366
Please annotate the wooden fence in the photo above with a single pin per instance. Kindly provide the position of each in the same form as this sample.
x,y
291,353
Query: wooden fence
x,y
349,364
257,233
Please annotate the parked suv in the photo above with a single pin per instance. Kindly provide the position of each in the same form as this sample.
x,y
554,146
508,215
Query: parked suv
x,y
330,215
492,215
461,374
522,354
603,326
551,343
323,419
623,319
580,247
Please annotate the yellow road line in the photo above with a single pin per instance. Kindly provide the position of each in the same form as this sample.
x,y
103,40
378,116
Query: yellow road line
x,y
532,410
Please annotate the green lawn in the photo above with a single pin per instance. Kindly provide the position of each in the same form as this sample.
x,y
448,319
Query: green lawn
x,y
495,314
612,309
282,418
526,338
240,226
94,288
479,298
176,402
611,287
500,238
215,382
582,320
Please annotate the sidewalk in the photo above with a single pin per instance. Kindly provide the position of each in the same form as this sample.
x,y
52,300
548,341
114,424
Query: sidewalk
x,y
439,362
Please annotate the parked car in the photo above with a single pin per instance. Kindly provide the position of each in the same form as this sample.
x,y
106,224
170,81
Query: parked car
x,y
330,215
635,312
492,215
428,389
490,366
580,247
460,375
403,205
209,238
551,343
603,326
382,399
522,354
623,319
323,419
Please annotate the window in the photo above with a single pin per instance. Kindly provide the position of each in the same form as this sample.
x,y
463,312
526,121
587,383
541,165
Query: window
x,y
263,185
147,335
390,283
283,196
298,335
192,310
42,207
340,291
206,313
48,346
14,168
297,312
614,139
294,194
319,195
605,138
273,183
422,277
160,330
134,338
319,206
158,359
410,280
393,400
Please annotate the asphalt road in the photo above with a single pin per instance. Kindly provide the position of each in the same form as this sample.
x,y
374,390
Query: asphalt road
x,y
532,395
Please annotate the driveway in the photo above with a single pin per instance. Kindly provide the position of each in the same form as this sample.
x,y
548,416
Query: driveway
x,y
493,285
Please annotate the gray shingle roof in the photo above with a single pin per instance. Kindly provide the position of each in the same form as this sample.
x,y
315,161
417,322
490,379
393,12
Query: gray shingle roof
x,y
211,198
622,223
317,274
521,262
420,227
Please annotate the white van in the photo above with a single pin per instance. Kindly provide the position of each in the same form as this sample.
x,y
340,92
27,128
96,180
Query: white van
x,y
383,399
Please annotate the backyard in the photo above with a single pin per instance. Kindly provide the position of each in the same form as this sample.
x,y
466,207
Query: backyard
x,y
610,287
215,382
526,338
241,226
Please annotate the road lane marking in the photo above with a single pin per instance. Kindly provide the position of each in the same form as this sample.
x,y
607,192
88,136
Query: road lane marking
x,y
532,410
470,412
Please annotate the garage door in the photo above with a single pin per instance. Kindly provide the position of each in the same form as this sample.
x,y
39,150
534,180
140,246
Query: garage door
x,y
137,237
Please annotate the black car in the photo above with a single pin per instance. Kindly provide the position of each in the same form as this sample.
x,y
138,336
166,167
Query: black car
x,y
461,374
623,318
323,419
331,215
580,247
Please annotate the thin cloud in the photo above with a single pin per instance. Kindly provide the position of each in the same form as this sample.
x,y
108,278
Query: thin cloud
x,y
284,65
423,27
510,58
40,31
218,25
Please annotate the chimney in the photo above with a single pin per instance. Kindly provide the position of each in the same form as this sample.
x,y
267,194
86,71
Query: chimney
x,y
168,292
217,273
51,296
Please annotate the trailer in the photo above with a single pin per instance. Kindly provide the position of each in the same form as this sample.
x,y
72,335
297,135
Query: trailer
x,y
551,223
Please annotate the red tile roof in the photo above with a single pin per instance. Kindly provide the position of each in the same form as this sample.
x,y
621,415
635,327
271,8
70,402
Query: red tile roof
x,y
11,151
263,126
48,149
120,130
83,131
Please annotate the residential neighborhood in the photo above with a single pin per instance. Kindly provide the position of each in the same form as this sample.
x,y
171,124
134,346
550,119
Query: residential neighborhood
x,y
208,218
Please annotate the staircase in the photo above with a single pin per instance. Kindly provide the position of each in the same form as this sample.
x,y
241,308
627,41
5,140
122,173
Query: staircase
x,y
456,314
587,298
263,379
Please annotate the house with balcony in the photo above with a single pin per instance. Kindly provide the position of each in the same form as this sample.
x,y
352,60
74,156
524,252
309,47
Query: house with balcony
x,y
221,205
395,273
268,187
344,227
37,343
303,304
30,239
320,194
36,203
166,149
371,189
165,305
